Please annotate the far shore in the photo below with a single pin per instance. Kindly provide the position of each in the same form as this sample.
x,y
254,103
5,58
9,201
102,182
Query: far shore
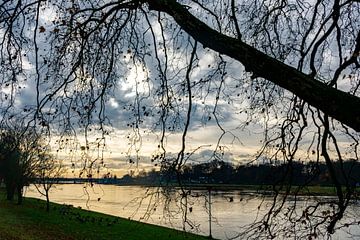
x,y
311,190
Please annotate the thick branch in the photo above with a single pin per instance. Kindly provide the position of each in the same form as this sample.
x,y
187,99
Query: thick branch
x,y
340,105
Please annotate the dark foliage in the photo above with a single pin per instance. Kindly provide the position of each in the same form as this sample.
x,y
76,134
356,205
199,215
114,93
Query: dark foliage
x,y
220,172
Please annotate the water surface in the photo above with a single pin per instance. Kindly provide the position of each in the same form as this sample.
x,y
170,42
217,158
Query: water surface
x,y
230,210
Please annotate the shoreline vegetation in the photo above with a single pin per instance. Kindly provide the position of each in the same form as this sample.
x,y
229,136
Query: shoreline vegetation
x,y
30,221
310,178
305,179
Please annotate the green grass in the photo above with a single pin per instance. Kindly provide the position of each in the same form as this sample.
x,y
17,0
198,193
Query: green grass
x,y
30,221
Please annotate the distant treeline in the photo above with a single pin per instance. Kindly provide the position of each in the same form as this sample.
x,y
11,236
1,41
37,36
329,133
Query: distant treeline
x,y
220,172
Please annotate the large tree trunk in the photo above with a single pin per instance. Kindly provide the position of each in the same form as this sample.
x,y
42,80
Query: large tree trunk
x,y
19,189
337,104
10,191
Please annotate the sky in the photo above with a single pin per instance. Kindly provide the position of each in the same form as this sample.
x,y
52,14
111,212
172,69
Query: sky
x,y
203,134
243,107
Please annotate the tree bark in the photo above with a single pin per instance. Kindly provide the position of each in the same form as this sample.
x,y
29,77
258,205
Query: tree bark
x,y
338,104
47,200
19,194
10,191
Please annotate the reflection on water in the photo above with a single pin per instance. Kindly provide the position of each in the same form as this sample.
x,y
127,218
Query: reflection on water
x,y
229,209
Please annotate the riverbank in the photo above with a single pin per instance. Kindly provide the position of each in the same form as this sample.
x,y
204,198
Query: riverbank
x,y
30,221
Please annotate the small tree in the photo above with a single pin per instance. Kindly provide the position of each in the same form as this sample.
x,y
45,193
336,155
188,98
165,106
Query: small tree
x,y
47,169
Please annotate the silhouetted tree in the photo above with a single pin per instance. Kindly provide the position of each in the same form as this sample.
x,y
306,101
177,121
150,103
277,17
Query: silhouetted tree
x,y
10,156
291,67
19,148
47,168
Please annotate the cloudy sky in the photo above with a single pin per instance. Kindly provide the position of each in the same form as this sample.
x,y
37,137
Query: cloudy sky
x,y
229,113
239,143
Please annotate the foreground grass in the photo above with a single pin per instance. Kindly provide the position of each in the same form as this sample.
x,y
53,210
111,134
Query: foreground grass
x,y
30,221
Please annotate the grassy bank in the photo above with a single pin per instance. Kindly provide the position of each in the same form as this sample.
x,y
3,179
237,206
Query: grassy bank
x,y
30,221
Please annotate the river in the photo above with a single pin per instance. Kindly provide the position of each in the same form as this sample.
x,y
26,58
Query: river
x,y
230,210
